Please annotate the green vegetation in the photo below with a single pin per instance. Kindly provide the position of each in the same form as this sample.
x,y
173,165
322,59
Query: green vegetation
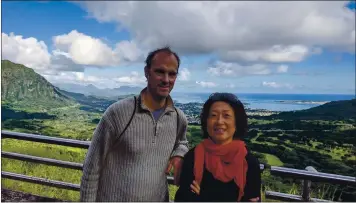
x,y
336,110
323,137
90,103
273,160
23,88
41,170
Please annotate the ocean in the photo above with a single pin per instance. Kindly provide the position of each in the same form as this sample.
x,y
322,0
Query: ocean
x,y
272,102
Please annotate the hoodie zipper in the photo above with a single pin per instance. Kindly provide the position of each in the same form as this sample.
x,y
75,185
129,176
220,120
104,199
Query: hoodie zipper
x,y
155,124
155,128
155,134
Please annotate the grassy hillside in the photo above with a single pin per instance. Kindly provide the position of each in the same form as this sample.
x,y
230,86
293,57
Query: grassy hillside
x,y
23,87
335,110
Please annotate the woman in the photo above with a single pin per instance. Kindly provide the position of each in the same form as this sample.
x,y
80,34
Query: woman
x,y
220,168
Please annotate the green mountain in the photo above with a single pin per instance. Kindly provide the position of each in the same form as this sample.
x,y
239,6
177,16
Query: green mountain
x,y
23,87
109,93
90,103
335,110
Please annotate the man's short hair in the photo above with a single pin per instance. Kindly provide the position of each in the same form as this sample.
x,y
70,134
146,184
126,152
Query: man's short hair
x,y
152,54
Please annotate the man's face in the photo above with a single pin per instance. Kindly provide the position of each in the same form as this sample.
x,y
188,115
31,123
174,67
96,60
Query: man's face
x,y
162,74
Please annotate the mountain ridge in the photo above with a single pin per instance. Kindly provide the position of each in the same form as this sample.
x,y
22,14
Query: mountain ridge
x,y
92,90
23,86
334,110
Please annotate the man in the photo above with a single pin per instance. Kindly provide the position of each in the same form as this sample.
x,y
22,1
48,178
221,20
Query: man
x,y
132,166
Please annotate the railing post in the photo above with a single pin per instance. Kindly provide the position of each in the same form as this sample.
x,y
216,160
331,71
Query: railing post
x,y
307,185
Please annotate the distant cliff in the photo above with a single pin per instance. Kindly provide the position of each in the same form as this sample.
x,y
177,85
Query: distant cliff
x,y
335,110
23,86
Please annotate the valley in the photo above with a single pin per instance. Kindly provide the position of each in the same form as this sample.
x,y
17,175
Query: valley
x,y
323,137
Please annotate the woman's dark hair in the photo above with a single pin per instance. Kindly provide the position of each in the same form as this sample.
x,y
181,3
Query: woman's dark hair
x,y
237,106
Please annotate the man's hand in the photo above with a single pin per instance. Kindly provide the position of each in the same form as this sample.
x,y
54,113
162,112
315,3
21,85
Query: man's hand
x,y
175,162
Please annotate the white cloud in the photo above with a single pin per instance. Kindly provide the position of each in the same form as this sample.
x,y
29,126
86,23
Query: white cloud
x,y
85,50
282,69
27,51
133,79
68,60
275,54
280,32
277,85
62,65
206,84
128,51
230,86
184,74
34,54
61,61
235,69
73,52
72,77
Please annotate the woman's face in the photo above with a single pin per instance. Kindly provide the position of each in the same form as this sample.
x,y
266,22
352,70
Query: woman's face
x,y
221,123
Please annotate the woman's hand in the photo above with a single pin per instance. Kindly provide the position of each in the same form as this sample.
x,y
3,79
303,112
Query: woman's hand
x,y
195,187
254,199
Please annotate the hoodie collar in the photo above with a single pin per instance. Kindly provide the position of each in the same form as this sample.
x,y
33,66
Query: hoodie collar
x,y
169,102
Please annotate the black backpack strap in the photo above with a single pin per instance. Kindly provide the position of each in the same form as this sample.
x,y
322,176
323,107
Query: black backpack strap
x,y
113,146
178,126
116,141
177,121
133,114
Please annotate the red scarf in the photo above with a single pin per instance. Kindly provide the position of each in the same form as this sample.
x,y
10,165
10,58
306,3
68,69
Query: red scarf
x,y
225,162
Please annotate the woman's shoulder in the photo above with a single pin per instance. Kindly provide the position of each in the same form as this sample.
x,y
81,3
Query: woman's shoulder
x,y
252,159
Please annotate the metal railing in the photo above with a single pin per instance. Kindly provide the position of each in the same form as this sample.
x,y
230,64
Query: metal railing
x,y
306,175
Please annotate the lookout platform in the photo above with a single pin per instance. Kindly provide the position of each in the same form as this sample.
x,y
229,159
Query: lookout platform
x,y
16,196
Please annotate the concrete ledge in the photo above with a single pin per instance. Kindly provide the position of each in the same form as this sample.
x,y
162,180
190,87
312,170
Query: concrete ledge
x,y
17,196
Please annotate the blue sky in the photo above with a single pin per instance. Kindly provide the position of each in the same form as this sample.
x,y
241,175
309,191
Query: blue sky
x,y
225,46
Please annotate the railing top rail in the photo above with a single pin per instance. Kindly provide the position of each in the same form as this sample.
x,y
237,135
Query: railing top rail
x,y
289,197
45,139
311,175
41,181
42,160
